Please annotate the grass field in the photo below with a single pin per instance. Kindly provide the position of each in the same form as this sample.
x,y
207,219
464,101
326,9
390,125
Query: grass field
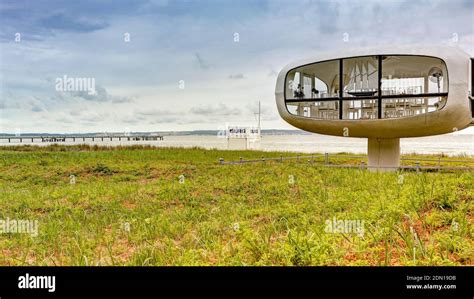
x,y
144,206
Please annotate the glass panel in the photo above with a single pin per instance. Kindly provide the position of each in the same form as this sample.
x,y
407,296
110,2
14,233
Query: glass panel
x,y
413,75
401,75
403,107
360,109
360,76
315,109
314,81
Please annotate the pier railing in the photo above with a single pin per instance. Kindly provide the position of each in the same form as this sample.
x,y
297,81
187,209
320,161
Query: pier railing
x,y
84,138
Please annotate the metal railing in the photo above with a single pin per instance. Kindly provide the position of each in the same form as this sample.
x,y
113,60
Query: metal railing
x,y
361,165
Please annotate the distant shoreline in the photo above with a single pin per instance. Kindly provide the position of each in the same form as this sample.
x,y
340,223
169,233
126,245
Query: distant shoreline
x,y
268,132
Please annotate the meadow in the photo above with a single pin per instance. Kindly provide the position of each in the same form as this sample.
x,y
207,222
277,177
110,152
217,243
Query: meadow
x,y
169,206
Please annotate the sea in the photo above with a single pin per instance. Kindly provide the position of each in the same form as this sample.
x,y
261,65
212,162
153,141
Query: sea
x,y
450,144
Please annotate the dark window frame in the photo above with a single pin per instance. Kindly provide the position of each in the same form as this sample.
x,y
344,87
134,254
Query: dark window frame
x,y
379,95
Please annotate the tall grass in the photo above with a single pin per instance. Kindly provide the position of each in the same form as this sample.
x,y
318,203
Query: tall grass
x,y
147,206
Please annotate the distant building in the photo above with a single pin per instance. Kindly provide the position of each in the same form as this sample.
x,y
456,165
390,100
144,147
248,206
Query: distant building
x,y
243,138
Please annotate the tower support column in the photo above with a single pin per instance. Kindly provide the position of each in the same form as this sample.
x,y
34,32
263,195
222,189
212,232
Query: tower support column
x,y
384,154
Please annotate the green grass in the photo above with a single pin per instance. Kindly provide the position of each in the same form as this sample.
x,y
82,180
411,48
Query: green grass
x,y
131,206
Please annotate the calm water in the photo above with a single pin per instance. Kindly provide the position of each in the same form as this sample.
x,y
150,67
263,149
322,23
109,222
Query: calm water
x,y
447,144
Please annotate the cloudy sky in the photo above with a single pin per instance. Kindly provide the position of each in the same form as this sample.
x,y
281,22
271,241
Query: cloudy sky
x,y
187,65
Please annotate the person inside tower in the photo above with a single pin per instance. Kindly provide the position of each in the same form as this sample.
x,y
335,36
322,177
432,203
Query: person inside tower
x,y
299,93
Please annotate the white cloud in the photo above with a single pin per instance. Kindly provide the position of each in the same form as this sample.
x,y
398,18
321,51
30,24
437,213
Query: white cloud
x,y
138,82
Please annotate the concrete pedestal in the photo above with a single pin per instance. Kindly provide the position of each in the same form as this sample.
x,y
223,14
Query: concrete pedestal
x,y
384,154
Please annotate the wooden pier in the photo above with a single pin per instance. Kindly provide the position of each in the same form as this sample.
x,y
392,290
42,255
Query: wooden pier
x,y
73,138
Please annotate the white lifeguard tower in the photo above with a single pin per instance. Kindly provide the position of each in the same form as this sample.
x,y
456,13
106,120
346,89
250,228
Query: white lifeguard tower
x,y
381,94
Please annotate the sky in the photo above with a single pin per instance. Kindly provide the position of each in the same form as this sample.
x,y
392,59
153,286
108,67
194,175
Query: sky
x,y
177,65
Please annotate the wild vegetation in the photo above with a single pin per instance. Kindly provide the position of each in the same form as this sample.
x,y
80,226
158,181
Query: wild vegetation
x,y
169,206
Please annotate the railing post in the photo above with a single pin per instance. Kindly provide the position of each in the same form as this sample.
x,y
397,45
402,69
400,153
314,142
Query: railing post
x,y
326,158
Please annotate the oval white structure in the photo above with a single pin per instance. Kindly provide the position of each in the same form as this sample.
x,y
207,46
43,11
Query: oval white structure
x,y
382,94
